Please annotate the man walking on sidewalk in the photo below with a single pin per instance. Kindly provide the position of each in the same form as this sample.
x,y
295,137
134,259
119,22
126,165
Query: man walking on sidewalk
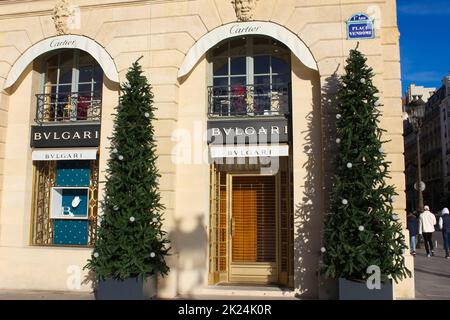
x,y
444,224
427,221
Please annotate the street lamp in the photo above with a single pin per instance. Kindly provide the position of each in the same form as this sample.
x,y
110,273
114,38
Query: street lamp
x,y
416,113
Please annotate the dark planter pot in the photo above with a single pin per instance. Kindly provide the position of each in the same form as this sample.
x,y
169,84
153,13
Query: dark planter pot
x,y
357,290
138,288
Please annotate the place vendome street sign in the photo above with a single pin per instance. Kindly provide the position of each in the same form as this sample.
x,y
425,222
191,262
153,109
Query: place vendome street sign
x,y
65,136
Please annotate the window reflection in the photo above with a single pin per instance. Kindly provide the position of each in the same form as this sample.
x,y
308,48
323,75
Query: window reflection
x,y
251,76
72,89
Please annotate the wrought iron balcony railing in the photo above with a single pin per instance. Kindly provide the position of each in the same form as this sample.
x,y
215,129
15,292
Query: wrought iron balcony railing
x,y
249,101
69,107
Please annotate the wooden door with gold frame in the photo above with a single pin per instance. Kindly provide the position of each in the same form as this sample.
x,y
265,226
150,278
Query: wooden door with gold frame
x,y
253,237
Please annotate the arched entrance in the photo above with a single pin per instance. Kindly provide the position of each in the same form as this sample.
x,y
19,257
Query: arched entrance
x,y
251,214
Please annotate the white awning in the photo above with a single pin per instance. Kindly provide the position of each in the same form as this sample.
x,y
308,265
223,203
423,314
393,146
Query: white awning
x,y
270,29
63,42
249,151
64,154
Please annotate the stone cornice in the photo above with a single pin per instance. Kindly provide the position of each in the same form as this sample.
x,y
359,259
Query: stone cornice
x,y
45,7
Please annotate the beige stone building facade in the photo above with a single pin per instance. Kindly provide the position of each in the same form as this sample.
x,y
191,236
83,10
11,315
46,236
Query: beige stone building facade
x,y
255,69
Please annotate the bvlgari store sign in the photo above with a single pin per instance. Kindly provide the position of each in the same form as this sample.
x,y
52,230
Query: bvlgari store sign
x,y
254,131
65,136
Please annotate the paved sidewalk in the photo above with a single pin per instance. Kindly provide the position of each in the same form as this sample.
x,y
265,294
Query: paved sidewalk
x,y
432,275
43,295
432,278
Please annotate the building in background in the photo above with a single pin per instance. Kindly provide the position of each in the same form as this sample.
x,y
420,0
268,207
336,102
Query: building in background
x,y
249,71
435,148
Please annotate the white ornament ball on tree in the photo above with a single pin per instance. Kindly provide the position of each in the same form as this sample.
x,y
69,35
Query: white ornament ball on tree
x,y
152,255
363,81
132,219
338,141
344,202
96,255
147,115
120,157
349,165
323,250
338,116
361,228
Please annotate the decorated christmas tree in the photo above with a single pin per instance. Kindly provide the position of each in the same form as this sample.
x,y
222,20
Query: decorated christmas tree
x,y
361,229
130,240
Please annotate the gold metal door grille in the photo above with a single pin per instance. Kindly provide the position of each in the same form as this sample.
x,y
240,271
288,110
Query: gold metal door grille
x,y
254,219
218,225
44,181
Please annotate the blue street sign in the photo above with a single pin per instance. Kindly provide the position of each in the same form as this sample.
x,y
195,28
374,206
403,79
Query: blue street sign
x,y
360,26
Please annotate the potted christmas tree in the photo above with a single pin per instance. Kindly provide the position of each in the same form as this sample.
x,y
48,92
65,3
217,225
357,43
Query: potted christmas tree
x,y
363,235
130,250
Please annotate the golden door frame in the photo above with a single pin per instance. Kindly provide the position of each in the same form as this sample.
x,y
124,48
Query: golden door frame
x,y
219,228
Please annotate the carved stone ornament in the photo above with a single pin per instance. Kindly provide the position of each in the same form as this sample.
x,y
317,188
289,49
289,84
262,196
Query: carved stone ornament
x,y
61,15
244,9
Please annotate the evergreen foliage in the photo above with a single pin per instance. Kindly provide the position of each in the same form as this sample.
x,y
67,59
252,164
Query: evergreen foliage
x,y
130,240
362,228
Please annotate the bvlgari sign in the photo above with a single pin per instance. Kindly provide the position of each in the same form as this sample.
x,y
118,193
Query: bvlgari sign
x,y
65,136
254,131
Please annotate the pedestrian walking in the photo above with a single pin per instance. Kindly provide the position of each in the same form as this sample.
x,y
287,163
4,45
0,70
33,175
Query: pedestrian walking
x,y
412,226
427,222
444,225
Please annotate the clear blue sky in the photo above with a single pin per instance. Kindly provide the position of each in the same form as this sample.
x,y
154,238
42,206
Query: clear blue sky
x,y
424,41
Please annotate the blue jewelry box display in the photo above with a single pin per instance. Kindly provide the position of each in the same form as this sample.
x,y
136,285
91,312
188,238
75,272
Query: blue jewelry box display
x,y
70,203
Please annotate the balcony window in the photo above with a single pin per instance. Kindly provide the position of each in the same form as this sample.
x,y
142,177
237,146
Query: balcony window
x,y
72,88
250,77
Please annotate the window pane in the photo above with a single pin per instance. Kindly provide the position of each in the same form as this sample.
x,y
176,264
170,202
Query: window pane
x,y
262,64
65,89
220,66
239,65
279,66
98,88
238,80
84,89
85,74
98,74
283,79
262,80
65,75
220,82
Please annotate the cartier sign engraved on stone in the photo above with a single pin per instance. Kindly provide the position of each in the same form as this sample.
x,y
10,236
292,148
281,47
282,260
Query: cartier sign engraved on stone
x,y
65,136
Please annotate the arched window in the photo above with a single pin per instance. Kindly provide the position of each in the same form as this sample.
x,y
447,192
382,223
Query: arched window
x,y
250,77
72,88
